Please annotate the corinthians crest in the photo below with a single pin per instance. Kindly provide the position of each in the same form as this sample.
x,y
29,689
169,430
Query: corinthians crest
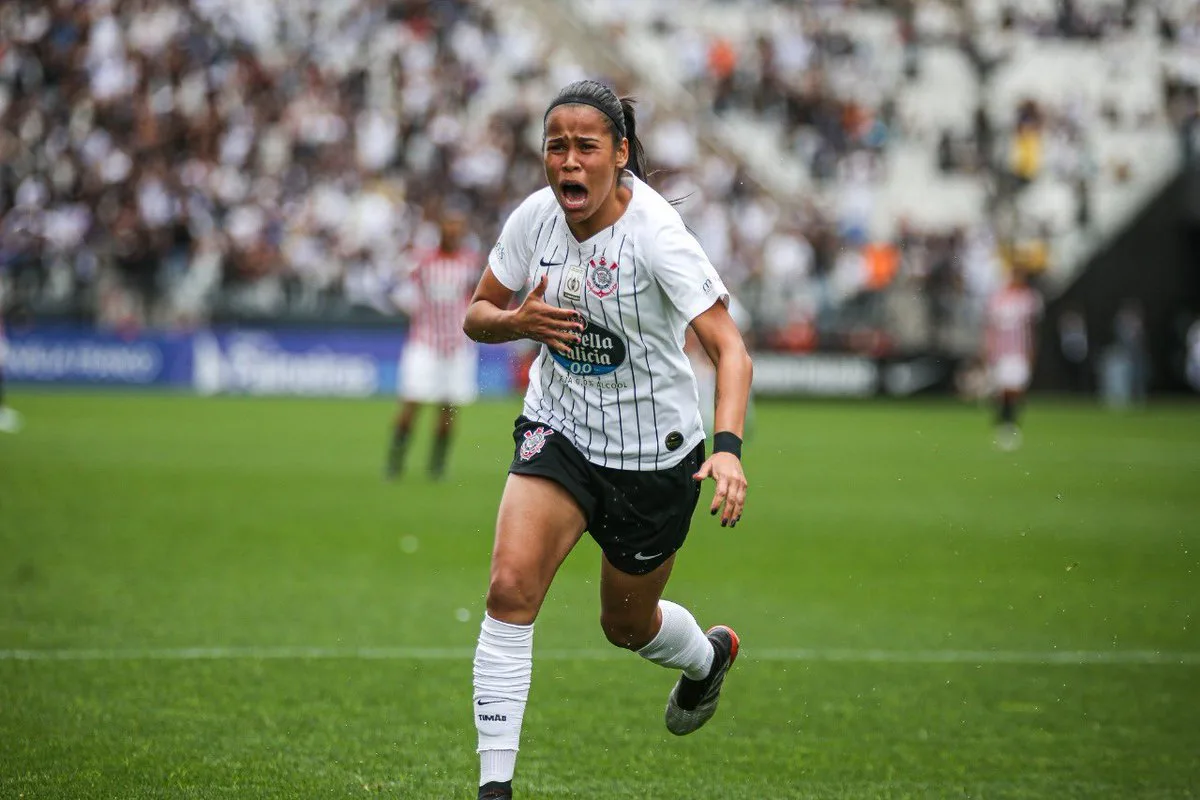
x,y
535,440
602,277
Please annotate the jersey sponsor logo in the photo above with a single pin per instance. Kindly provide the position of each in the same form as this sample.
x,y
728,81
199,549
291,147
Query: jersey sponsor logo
x,y
707,287
674,440
599,352
602,277
546,263
535,440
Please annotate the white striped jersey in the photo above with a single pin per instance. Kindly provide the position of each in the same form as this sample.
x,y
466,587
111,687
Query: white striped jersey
x,y
1011,314
443,284
626,396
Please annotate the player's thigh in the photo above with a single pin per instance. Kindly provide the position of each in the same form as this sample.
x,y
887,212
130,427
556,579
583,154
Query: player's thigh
x,y
631,600
538,524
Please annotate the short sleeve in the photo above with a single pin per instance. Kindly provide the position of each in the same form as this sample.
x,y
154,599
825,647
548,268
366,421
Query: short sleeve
x,y
510,257
684,272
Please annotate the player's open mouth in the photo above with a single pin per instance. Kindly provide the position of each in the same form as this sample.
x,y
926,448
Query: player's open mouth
x,y
574,195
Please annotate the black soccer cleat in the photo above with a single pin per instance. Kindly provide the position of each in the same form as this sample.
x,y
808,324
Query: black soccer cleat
x,y
693,703
496,790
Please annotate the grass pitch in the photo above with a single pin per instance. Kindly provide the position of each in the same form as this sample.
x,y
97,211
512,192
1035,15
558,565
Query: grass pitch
x,y
221,598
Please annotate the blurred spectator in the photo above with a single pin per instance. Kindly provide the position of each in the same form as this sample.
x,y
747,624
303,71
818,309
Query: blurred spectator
x,y
1192,366
1073,345
1026,157
1125,366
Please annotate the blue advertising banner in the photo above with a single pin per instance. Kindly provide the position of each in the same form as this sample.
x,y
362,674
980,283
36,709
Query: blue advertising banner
x,y
258,361
316,363
68,355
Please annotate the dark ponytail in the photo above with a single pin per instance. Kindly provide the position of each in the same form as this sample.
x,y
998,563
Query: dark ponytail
x,y
622,123
637,153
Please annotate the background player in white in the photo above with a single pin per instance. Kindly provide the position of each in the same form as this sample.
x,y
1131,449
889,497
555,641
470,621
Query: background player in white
x,y
610,439
1009,347
439,365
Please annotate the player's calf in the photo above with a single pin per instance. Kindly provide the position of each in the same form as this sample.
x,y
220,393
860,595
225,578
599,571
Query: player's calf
x,y
626,632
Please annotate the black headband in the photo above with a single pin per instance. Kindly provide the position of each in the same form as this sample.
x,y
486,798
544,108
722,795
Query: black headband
x,y
572,99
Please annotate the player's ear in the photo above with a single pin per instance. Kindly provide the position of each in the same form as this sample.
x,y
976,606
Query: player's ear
x,y
623,154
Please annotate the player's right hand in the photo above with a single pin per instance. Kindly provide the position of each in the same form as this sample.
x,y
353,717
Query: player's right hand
x,y
558,328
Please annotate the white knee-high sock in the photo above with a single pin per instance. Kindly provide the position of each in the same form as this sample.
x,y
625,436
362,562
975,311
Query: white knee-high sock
x,y
503,668
680,644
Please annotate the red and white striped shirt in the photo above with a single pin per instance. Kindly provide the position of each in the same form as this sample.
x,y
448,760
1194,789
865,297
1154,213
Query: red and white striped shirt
x,y
1011,314
442,285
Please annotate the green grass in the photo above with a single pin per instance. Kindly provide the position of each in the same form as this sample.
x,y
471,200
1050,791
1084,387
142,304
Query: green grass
x,y
901,588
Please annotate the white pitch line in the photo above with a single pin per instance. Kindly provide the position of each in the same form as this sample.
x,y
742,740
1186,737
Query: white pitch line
x,y
849,656
1048,657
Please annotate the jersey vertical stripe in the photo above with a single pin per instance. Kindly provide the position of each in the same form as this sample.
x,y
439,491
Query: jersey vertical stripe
x,y
562,384
600,394
586,405
633,376
649,372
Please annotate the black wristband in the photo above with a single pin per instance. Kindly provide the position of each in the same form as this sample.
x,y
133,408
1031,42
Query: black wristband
x,y
726,442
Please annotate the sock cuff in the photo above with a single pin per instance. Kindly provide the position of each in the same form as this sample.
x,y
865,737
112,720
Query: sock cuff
x,y
505,630
497,766
680,643
671,613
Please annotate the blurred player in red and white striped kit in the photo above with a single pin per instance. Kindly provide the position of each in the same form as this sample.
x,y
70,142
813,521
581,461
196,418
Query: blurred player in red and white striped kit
x,y
1009,343
439,364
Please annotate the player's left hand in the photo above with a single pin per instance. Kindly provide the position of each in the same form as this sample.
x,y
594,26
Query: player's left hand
x,y
726,470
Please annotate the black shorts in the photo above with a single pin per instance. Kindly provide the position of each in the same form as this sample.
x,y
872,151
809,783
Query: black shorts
x,y
638,518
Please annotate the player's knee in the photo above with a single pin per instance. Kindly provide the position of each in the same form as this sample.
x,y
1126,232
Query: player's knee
x,y
624,631
511,598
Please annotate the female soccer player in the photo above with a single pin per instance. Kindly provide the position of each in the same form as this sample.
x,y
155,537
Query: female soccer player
x,y
610,440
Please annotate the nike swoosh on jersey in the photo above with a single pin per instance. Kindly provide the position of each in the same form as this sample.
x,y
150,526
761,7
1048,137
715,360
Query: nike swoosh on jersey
x,y
546,263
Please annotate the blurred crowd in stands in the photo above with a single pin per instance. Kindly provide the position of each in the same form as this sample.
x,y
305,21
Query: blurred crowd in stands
x,y
166,163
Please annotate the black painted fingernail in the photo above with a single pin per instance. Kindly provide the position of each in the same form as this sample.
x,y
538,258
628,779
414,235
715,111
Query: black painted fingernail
x,y
713,512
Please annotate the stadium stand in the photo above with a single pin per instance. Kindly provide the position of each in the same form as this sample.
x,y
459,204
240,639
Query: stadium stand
x,y
860,171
